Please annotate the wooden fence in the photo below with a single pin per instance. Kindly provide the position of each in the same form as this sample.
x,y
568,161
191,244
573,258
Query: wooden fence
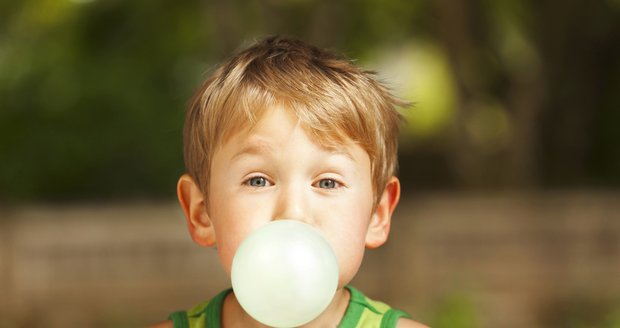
x,y
507,260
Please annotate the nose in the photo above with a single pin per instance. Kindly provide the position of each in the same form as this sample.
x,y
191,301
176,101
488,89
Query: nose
x,y
292,203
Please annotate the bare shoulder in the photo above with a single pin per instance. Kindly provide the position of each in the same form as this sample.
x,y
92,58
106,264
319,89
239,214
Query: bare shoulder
x,y
408,323
165,324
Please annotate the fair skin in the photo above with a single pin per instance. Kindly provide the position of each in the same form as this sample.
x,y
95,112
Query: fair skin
x,y
275,171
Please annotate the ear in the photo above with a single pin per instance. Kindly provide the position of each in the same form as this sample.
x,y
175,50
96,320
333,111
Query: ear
x,y
193,203
379,227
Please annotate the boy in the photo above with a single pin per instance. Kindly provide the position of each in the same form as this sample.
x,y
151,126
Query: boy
x,y
285,130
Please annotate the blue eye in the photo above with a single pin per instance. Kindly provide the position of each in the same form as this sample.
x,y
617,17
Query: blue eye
x,y
328,184
257,182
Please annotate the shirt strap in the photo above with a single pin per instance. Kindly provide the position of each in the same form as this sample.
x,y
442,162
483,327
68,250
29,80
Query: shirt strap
x,y
179,319
213,312
390,318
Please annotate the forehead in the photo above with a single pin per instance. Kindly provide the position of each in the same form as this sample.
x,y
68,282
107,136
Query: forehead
x,y
258,147
266,120
278,126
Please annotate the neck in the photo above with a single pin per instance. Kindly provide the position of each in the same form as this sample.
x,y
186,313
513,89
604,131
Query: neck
x,y
234,316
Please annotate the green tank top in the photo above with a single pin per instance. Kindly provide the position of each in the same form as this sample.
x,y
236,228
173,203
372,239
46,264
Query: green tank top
x,y
361,312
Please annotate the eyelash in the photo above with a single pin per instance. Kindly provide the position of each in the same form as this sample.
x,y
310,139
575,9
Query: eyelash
x,y
248,181
336,184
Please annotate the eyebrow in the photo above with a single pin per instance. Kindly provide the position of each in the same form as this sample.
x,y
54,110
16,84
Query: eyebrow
x,y
339,151
261,147
254,148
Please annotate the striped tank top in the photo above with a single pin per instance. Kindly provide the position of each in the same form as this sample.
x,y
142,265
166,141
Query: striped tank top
x,y
362,312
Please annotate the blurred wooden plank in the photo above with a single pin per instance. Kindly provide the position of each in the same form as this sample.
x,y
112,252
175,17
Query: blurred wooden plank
x,y
514,256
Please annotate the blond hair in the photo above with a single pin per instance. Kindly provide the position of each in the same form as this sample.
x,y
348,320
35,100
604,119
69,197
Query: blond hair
x,y
334,101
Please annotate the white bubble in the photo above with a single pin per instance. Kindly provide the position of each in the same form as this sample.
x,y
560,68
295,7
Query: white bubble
x,y
285,274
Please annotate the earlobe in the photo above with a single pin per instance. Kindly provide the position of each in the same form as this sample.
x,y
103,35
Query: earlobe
x,y
193,203
379,227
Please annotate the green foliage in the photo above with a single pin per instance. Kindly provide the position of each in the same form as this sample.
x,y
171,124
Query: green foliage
x,y
93,97
92,92
583,310
455,311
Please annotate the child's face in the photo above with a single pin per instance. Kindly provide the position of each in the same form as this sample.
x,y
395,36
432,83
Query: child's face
x,y
275,171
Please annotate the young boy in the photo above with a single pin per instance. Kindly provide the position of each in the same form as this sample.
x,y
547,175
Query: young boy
x,y
285,130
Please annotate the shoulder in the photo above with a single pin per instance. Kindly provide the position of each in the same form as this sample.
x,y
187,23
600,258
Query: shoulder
x,y
373,313
165,324
408,323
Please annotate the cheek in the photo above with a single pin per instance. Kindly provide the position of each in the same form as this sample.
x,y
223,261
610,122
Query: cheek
x,y
346,231
349,250
226,247
233,220
227,232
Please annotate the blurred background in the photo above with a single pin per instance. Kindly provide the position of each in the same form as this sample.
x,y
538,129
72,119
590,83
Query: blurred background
x,y
510,158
